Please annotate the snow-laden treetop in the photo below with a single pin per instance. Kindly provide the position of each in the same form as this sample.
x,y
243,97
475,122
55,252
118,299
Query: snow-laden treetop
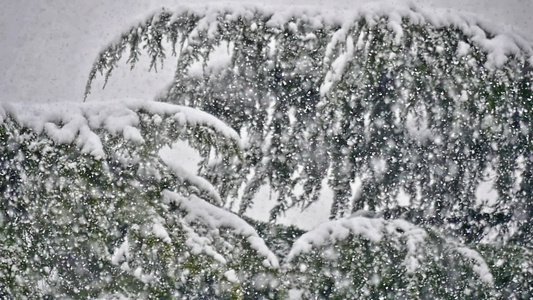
x,y
195,24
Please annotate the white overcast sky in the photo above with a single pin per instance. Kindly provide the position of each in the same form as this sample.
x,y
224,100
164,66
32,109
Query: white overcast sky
x,y
47,47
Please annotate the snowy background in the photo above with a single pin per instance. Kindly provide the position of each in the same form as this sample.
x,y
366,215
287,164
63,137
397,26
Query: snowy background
x,y
48,48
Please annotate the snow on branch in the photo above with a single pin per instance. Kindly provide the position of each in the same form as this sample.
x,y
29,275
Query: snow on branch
x,y
80,123
130,130
216,218
479,264
359,256
414,238
372,229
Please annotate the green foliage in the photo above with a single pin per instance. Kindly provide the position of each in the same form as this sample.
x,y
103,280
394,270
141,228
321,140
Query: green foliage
x,y
512,269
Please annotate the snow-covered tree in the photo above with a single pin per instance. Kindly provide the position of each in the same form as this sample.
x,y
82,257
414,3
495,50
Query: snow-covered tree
x,y
383,103
92,209
405,114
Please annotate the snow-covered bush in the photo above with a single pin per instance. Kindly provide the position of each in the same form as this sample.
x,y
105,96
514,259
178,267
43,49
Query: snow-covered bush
x,y
373,258
89,208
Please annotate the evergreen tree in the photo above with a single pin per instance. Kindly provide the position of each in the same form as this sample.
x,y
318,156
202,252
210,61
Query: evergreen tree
x,y
90,209
386,104
395,100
